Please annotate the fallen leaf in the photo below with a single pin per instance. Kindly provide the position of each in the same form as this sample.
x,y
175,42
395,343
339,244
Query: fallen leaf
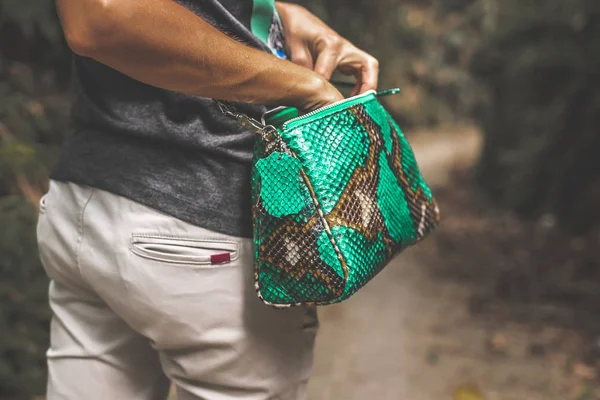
x,y
468,392
582,371
499,342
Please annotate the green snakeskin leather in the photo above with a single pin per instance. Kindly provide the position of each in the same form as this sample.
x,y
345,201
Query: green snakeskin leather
x,y
335,197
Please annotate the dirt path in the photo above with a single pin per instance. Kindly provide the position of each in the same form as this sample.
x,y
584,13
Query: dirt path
x,y
408,336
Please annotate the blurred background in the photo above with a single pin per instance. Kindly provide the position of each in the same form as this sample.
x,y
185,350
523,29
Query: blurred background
x,y
501,101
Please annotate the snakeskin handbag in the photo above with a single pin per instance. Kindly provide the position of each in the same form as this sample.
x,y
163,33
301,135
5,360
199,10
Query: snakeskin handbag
x,y
336,194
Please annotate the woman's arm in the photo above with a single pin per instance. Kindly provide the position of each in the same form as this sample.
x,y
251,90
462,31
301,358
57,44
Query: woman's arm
x,y
161,43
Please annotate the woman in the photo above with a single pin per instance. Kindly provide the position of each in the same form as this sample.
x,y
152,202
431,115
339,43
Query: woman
x,y
146,230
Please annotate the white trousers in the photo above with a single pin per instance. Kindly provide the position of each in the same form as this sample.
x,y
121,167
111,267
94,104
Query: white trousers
x,y
141,299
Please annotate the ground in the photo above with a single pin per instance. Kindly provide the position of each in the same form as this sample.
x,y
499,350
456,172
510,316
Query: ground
x,y
408,336
419,331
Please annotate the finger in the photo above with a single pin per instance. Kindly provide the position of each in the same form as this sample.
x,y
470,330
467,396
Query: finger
x,y
352,68
326,63
364,67
355,71
301,55
369,76
356,89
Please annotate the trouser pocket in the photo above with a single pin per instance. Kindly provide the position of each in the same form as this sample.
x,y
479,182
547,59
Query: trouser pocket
x,y
182,250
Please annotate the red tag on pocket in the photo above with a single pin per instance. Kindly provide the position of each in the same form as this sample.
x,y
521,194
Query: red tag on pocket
x,y
220,258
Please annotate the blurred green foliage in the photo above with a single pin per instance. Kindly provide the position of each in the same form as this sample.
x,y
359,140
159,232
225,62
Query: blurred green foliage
x,y
541,63
526,70
33,122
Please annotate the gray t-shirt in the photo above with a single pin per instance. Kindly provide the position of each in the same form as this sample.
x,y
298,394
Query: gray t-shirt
x,y
170,151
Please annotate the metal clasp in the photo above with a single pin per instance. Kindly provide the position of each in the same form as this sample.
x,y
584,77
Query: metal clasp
x,y
243,119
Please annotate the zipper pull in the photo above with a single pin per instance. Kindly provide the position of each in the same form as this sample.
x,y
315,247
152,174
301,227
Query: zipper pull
x,y
387,92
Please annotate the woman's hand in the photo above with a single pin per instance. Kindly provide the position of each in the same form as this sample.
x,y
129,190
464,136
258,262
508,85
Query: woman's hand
x,y
314,45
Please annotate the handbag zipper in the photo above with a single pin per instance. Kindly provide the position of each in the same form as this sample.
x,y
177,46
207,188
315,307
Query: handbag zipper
x,y
327,107
354,99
